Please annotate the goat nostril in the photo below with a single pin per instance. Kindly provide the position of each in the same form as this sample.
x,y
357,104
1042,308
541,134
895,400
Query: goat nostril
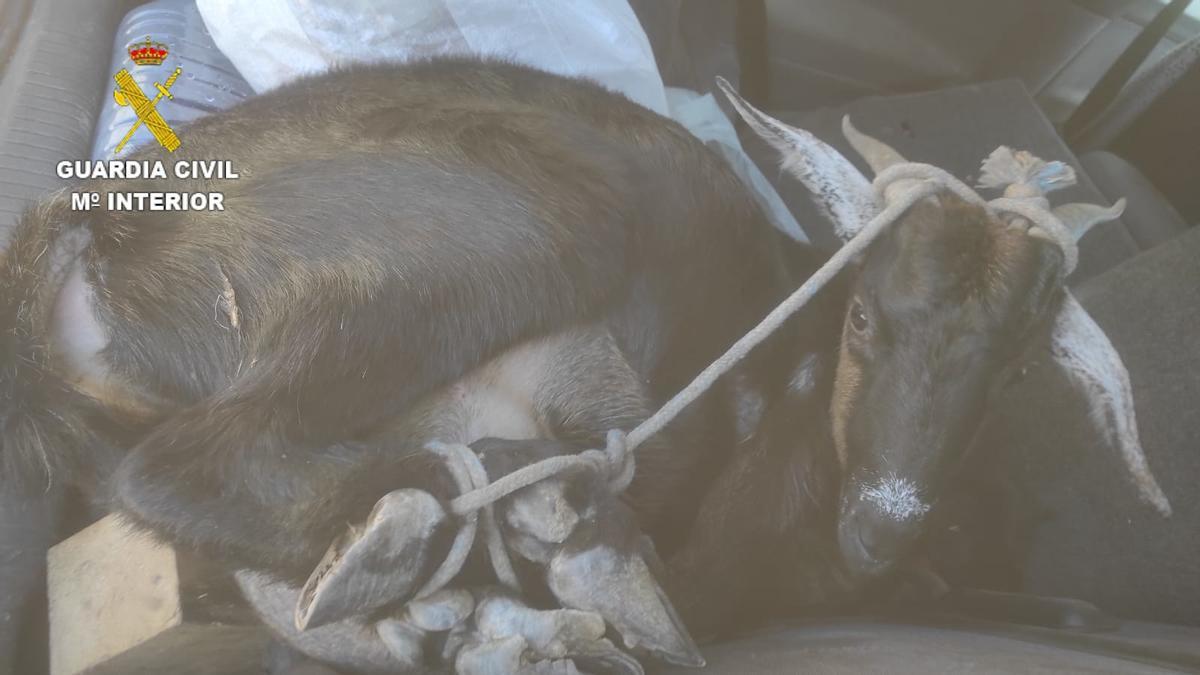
x,y
868,541
879,541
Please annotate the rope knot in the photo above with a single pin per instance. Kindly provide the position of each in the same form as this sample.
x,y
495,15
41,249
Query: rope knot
x,y
619,464
1023,175
477,496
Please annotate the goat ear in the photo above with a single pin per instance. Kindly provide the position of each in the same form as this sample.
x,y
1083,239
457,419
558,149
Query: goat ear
x,y
1083,351
1045,282
841,192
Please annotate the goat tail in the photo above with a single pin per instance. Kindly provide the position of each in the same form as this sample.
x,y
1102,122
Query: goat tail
x,y
39,435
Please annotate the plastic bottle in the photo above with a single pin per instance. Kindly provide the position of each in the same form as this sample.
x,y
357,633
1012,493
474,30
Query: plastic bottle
x,y
207,82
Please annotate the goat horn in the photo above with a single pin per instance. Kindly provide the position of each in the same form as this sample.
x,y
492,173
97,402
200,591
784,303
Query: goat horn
x,y
876,153
1079,218
839,189
1093,365
879,156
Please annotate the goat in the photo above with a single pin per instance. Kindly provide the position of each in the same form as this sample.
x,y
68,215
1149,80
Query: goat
x,y
889,374
407,237
941,311
244,382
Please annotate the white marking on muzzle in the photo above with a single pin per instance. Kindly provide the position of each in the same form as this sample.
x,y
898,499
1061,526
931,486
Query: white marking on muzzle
x,y
896,497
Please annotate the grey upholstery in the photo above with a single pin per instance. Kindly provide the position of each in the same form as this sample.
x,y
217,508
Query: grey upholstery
x,y
50,93
873,646
1086,533
1163,142
694,41
1149,218
1140,93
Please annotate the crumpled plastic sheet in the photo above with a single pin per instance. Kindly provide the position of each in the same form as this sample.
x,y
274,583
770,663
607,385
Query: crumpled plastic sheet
x,y
272,42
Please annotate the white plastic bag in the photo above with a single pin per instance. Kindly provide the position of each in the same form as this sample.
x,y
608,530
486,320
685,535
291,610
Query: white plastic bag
x,y
273,41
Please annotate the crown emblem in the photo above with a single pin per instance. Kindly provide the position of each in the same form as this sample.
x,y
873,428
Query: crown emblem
x,y
148,53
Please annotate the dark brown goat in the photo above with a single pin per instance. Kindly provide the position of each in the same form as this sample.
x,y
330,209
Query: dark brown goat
x,y
939,308
244,382
840,472
407,238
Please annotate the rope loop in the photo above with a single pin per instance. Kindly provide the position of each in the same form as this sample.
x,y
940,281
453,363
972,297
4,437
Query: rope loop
x,y
914,171
615,462
477,498
1050,224
921,189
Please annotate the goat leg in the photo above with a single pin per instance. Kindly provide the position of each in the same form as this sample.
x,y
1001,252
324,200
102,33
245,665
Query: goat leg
x,y
756,545
28,524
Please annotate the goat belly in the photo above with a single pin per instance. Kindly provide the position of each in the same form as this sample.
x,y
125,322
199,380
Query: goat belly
x,y
494,401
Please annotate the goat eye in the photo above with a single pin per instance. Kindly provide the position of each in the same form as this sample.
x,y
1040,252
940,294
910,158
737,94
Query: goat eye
x,y
858,317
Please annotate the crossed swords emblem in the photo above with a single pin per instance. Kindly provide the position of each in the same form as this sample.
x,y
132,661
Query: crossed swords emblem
x,y
129,93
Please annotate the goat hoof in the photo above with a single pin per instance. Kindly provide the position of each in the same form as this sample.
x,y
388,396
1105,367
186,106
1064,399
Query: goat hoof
x,y
602,569
346,646
440,611
542,511
402,640
374,566
603,656
549,634
495,657
509,636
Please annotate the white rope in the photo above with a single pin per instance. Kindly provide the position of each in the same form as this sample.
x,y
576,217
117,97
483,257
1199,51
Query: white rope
x,y
477,496
616,462
465,538
923,172
928,180
1049,223
705,380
